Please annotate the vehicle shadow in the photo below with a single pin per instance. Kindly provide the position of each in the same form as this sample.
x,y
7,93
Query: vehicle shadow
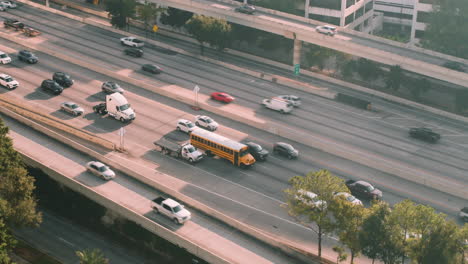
x,y
162,220
97,97
38,94
62,115
102,124
89,179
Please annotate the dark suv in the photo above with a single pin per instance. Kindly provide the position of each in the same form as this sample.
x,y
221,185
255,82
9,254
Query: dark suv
x,y
51,86
135,52
63,79
424,133
27,56
257,151
285,149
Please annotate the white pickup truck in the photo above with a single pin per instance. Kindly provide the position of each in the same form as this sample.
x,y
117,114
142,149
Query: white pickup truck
x,y
171,209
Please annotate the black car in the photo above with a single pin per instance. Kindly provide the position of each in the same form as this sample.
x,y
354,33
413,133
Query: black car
x,y
151,68
285,149
27,56
246,9
63,79
257,151
51,86
135,52
424,133
363,189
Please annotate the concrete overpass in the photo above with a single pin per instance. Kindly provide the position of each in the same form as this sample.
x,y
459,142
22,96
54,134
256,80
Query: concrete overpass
x,y
414,59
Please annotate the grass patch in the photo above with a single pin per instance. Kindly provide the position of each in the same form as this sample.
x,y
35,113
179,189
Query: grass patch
x,y
33,255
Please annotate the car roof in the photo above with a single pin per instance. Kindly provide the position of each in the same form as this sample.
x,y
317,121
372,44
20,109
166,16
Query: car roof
x,y
203,117
363,183
283,144
252,144
171,202
69,103
99,164
4,75
183,121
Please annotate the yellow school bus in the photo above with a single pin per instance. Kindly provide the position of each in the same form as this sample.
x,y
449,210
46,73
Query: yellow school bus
x,y
214,144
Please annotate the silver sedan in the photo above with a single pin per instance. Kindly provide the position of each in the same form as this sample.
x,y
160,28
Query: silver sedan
x,y
100,169
72,108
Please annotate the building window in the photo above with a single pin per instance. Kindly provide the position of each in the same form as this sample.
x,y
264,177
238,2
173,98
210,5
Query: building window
x,y
419,34
370,5
326,19
423,17
349,19
360,12
350,3
330,4
397,15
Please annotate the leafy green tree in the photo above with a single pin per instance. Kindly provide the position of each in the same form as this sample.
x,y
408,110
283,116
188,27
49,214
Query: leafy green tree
x,y
91,256
301,206
17,203
394,77
210,30
317,56
7,243
120,11
445,30
149,12
403,220
347,69
341,254
461,100
368,70
175,17
349,220
462,242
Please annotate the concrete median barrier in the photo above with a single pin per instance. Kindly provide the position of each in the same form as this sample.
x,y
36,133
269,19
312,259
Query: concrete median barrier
x,y
21,109
126,212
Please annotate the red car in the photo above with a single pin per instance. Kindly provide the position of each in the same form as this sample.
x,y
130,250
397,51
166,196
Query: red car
x,y
222,97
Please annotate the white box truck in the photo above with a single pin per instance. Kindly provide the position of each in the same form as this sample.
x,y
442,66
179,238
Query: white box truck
x,y
117,107
278,104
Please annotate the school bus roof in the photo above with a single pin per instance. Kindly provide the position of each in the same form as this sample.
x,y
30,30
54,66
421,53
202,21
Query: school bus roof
x,y
229,143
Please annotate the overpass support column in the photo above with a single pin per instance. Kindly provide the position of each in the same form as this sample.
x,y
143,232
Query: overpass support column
x,y
297,52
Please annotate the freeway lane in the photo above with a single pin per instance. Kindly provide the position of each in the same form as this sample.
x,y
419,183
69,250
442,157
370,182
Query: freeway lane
x,y
380,132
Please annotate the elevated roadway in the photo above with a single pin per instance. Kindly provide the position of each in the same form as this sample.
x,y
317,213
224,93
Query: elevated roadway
x,y
410,58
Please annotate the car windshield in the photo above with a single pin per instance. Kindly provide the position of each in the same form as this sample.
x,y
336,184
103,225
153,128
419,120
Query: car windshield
x,y
103,168
114,86
243,152
295,98
190,125
73,106
209,120
27,54
9,79
256,147
191,149
177,209
137,41
124,107
3,56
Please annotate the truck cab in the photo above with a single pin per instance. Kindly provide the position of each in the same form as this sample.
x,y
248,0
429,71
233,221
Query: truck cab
x,y
190,153
118,107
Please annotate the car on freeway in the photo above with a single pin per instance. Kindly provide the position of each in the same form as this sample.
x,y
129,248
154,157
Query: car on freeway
x,y
135,52
285,149
363,189
111,87
206,122
100,169
464,214
151,68
12,23
257,151
424,133
9,4
327,30
8,82
3,7
348,197
51,86
222,97
246,9
185,125
294,100
311,199
63,79
4,58
27,56
132,42
72,108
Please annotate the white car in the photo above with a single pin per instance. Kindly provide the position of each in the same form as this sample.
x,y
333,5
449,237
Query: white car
x,y
8,81
100,169
8,4
4,58
185,126
311,199
294,100
132,42
206,122
3,7
348,197
327,30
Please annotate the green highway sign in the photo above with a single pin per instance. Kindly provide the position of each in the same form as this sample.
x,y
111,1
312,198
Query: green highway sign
x,y
297,67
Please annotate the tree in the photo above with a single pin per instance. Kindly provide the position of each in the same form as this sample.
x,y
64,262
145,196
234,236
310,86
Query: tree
x,y
17,203
445,31
323,184
403,220
93,256
175,17
368,70
462,242
317,56
120,11
7,243
149,12
341,254
349,221
212,31
394,77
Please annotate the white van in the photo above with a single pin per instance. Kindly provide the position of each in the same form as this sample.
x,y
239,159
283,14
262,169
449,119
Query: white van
x,y
278,104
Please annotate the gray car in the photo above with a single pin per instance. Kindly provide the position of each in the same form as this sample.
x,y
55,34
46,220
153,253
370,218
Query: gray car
x,y
111,87
246,9
285,149
100,169
72,108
